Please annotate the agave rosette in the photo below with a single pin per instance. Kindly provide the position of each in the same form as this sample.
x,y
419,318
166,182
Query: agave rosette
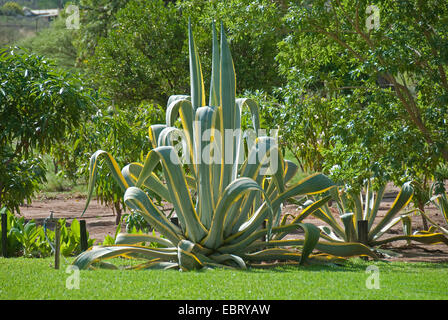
x,y
353,207
225,201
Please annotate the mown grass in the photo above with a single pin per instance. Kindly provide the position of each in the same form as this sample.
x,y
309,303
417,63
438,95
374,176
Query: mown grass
x,y
22,278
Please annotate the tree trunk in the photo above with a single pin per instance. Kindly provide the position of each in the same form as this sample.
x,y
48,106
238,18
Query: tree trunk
x,y
425,223
117,207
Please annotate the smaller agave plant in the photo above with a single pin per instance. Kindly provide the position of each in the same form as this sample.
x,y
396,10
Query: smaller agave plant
x,y
439,198
364,206
224,208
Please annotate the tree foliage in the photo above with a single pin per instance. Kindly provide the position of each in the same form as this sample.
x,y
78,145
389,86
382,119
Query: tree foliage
x,y
122,131
387,75
139,50
39,104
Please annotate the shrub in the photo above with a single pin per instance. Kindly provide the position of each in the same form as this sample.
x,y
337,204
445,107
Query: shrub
x,y
11,8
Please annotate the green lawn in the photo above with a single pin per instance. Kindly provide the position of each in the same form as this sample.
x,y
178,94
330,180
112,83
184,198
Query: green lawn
x,y
22,278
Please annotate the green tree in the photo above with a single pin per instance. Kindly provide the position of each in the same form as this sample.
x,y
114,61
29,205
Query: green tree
x,y
11,8
141,54
124,132
97,17
55,43
391,71
385,63
253,27
138,52
39,104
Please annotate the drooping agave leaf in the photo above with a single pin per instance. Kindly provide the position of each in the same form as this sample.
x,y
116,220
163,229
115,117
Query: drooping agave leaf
x,y
309,243
154,132
177,97
85,259
232,193
93,169
335,249
127,238
178,188
220,258
254,111
315,183
305,213
132,171
138,200
184,109
430,238
345,249
155,264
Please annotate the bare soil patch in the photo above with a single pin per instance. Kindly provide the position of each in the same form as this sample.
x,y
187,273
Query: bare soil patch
x,y
100,221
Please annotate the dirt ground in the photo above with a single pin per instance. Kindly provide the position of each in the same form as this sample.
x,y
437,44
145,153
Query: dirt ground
x,y
100,221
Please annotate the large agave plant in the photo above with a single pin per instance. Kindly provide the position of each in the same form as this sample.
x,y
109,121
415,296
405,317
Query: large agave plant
x,y
225,201
353,207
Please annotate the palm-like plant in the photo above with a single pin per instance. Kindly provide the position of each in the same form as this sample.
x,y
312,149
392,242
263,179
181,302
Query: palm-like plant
x,y
221,203
353,207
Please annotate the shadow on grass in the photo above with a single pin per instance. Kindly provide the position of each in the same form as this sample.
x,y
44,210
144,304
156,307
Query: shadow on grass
x,y
354,265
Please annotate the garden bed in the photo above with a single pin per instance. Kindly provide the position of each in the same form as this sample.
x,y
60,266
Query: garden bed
x,y
100,221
